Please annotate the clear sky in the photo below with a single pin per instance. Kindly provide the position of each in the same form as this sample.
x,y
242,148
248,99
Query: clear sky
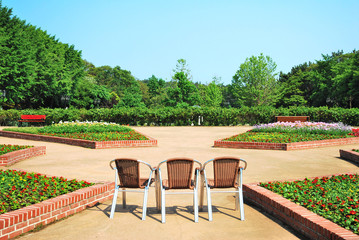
x,y
213,36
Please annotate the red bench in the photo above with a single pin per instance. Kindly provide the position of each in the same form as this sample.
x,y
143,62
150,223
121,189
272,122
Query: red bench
x,y
32,118
292,118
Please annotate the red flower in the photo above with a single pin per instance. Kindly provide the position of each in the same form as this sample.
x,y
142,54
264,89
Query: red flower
x,y
352,212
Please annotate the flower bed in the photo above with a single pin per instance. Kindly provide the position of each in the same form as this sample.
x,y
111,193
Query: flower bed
x,y
291,136
12,157
20,189
309,224
20,221
7,148
85,134
335,198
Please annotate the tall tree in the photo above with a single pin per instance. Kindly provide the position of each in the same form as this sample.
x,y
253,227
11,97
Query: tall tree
x,y
213,94
255,82
183,90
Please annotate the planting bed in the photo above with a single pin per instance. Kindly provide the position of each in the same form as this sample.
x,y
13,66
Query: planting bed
x,y
85,134
17,222
286,146
10,158
299,218
82,143
349,155
292,136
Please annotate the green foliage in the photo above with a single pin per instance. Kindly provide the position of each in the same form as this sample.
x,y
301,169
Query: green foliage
x,y
168,116
36,69
332,81
255,83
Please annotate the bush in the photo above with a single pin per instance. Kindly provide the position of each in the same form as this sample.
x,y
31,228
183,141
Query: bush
x,y
169,116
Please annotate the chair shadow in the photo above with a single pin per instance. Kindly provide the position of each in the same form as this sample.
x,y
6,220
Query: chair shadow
x,y
155,214
352,162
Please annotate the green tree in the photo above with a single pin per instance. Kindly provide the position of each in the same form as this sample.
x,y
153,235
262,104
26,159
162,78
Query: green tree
x,y
213,94
183,90
255,83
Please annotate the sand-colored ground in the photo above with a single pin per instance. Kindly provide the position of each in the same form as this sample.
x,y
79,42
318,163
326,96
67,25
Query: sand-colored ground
x,y
195,142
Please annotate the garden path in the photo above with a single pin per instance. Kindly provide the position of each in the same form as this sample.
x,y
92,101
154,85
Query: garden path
x,y
196,142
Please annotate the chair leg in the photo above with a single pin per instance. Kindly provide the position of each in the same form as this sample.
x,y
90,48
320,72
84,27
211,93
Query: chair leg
x,y
237,200
195,205
163,205
201,193
209,204
144,206
241,206
158,195
124,199
114,200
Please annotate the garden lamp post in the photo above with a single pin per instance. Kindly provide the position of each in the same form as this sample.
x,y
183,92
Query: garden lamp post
x,y
65,99
2,96
96,102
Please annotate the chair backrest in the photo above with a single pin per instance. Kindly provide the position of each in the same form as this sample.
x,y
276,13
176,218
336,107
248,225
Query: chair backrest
x,y
225,172
179,173
128,172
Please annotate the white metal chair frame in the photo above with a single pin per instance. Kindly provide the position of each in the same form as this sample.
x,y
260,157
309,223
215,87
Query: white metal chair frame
x,y
161,191
124,190
238,191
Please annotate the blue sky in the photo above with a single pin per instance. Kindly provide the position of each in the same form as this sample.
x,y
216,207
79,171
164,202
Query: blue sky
x,y
214,37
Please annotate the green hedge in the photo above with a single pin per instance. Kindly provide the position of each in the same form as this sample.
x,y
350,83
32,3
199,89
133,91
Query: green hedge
x,y
186,116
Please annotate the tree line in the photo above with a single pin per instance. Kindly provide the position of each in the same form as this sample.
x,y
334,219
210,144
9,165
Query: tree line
x,y
37,71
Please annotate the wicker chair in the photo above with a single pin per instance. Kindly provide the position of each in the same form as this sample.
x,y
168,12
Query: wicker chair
x,y
179,172
226,175
128,174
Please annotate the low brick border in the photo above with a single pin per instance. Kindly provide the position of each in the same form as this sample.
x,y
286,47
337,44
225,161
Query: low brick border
x,y
286,146
83,143
299,218
17,222
349,155
10,158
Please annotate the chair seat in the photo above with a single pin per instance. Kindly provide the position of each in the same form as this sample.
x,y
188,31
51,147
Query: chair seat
x,y
143,183
210,182
166,185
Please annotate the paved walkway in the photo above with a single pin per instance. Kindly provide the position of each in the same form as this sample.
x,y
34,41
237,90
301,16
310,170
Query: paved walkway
x,y
196,142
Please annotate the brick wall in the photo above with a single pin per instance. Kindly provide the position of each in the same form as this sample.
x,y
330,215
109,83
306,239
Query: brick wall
x,y
17,222
82,143
16,156
286,146
349,155
299,218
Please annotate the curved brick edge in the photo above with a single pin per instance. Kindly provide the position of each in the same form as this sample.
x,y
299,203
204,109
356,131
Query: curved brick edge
x,y
286,146
17,222
299,218
349,155
16,156
83,143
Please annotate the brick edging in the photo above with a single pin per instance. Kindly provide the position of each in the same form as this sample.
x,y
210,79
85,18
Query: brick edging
x,y
83,143
10,158
17,222
299,218
286,146
349,155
